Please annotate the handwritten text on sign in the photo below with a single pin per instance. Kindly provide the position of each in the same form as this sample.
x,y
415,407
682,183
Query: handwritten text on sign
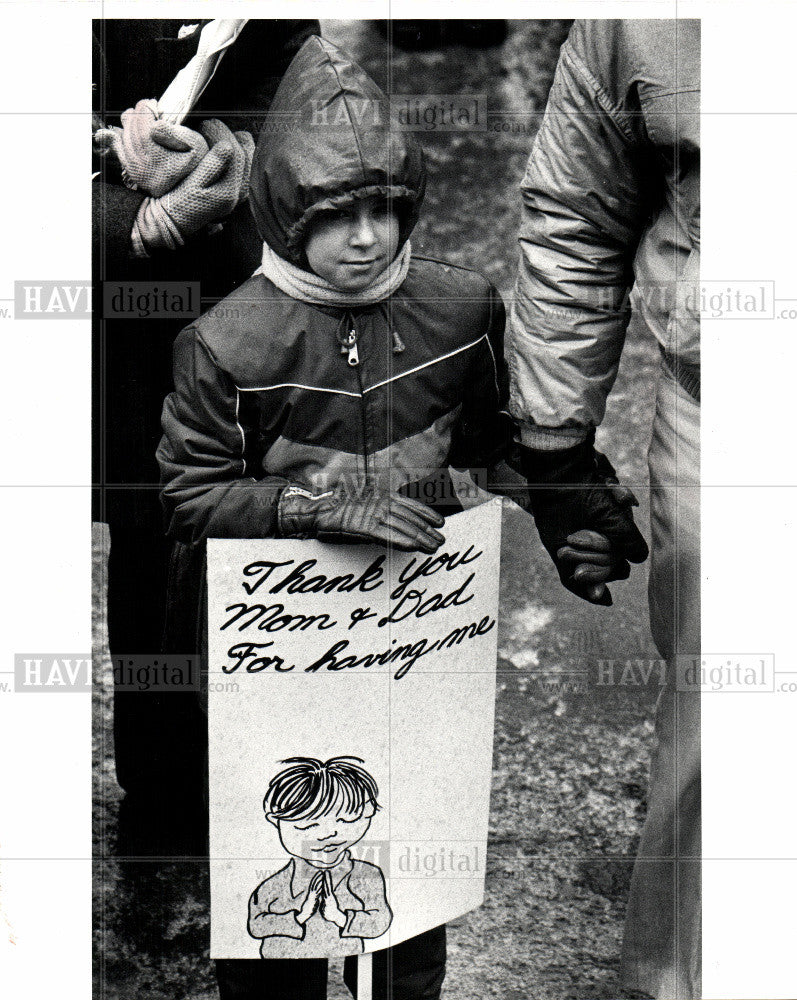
x,y
427,590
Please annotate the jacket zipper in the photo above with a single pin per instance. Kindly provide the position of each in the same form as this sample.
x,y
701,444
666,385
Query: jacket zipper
x,y
349,347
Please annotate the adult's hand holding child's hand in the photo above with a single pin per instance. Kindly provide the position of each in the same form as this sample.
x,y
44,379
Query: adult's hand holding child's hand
x,y
584,517
592,565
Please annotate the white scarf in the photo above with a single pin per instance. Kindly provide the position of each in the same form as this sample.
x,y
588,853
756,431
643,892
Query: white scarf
x,y
309,287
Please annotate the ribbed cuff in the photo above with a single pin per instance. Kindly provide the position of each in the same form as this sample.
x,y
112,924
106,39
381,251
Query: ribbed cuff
x,y
136,243
550,438
155,227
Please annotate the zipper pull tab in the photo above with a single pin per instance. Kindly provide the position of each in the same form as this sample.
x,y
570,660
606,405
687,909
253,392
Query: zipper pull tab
x,y
349,348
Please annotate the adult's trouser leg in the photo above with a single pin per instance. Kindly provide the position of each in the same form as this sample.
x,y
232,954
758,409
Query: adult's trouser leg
x,y
662,940
159,737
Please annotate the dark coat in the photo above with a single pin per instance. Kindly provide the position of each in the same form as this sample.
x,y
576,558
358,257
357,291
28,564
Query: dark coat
x,y
263,395
158,739
132,356
265,398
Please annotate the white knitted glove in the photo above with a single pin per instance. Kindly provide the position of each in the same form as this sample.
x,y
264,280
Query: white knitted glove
x,y
155,155
209,193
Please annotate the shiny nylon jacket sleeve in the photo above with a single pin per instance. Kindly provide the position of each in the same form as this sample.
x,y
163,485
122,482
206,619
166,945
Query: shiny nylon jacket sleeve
x,y
483,433
206,492
584,207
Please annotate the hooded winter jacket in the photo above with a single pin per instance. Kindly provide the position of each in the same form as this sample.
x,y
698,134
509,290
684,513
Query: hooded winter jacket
x,y
264,394
611,200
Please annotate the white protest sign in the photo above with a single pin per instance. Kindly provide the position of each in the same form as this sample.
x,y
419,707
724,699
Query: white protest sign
x,y
351,697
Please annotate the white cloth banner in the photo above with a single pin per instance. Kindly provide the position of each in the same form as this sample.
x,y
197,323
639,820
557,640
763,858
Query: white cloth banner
x,y
351,700
186,88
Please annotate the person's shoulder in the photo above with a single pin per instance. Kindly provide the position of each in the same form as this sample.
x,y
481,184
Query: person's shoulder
x,y
659,38
455,304
617,54
251,328
451,295
603,55
444,279
254,298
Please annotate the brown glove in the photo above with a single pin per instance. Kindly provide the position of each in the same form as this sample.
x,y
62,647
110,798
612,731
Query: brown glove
x,y
344,516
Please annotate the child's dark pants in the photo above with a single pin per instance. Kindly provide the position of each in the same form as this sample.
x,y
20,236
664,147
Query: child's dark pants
x,y
413,970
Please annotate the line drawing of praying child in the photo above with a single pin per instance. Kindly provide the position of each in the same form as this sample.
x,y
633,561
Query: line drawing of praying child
x,y
323,902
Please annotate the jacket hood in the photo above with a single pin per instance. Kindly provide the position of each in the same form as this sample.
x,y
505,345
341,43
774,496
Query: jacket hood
x,y
325,142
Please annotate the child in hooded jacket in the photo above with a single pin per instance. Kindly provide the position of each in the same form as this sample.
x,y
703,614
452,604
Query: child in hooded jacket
x,y
328,395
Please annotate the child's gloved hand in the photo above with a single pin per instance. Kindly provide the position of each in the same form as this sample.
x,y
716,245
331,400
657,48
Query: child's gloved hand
x,y
592,564
209,193
344,515
156,155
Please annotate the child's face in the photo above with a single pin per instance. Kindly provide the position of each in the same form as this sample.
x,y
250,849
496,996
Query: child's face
x,y
322,840
350,247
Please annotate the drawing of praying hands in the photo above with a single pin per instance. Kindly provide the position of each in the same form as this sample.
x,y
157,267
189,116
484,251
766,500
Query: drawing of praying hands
x,y
330,910
311,900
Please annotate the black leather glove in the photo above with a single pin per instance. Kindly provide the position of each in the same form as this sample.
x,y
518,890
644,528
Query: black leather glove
x,y
343,515
575,498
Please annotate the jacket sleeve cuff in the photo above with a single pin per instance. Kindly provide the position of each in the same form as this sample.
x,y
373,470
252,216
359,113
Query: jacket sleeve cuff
x,y
550,438
137,248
